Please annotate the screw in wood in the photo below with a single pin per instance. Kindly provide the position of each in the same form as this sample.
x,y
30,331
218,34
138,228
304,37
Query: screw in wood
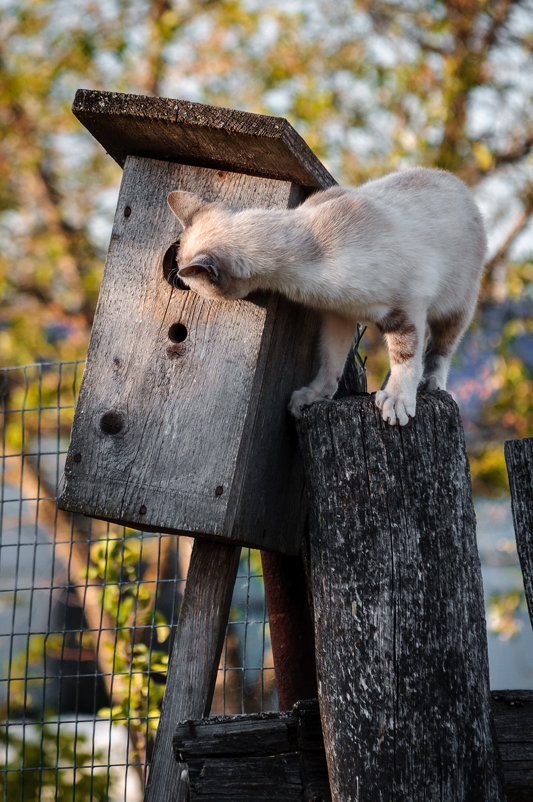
x,y
142,509
219,490
127,211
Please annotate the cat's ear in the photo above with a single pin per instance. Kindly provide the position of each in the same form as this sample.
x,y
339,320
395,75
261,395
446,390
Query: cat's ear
x,y
204,265
185,205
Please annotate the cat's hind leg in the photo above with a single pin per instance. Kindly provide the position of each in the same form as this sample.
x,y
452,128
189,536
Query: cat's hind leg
x,y
404,335
336,337
444,336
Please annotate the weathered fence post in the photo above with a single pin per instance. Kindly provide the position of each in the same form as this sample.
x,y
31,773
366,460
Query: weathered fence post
x,y
398,604
519,459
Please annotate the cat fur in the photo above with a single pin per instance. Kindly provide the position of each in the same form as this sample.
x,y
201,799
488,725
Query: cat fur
x,y
405,252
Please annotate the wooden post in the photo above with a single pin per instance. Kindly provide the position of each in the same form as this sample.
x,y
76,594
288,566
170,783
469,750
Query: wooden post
x,y
194,661
519,459
399,619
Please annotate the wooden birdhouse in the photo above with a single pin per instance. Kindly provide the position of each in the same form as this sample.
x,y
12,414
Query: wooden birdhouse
x,y
181,423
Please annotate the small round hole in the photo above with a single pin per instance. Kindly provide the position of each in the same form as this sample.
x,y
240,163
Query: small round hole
x,y
112,422
177,333
170,267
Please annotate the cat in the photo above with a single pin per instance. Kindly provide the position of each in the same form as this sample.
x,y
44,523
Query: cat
x,y
405,252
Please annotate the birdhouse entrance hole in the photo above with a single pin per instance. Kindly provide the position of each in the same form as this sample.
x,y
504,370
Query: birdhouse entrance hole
x,y
170,267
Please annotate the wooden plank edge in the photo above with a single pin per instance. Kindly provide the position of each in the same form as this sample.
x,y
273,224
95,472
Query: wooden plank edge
x,y
99,111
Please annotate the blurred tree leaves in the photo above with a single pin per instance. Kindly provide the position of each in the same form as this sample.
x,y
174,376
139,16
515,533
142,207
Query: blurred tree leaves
x,y
373,86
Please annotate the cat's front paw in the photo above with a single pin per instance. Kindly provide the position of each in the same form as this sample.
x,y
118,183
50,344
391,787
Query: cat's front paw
x,y
394,408
301,398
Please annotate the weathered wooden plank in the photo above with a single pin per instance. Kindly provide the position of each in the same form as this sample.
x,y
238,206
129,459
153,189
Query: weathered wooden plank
x,y
222,780
170,435
398,603
513,719
272,756
519,459
205,136
221,747
255,735
194,660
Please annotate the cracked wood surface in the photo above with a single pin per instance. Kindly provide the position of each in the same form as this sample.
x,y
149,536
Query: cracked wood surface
x,y
398,603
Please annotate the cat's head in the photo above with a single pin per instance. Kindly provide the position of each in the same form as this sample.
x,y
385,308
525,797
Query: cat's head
x,y
207,260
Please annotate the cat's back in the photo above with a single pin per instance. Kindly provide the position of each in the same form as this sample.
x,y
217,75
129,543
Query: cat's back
x,y
419,214
413,183
340,212
422,190
432,204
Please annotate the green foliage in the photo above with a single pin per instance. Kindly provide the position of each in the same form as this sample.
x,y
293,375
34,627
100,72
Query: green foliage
x,y
372,87
137,690
57,764
502,613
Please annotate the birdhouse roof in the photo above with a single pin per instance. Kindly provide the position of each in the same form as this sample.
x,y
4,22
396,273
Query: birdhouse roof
x,y
205,136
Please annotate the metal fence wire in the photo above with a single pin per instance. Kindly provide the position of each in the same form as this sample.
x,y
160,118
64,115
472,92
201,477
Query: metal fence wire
x,y
87,613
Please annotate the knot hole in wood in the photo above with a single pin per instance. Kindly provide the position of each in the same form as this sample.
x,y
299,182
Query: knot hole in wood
x,y
170,267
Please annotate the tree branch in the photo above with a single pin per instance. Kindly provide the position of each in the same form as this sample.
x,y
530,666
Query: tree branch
x,y
518,226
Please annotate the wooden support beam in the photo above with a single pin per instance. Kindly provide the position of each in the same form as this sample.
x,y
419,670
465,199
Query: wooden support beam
x,y
398,602
519,459
194,661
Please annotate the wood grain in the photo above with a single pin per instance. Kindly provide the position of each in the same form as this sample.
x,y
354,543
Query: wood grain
x,y
398,602
194,660
220,751
265,756
519,459
205,136
197,436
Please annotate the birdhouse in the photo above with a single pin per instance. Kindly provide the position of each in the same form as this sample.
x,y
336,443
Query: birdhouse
x,y
181,424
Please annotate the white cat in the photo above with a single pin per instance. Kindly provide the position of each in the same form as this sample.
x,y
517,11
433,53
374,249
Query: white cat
x,y
405,252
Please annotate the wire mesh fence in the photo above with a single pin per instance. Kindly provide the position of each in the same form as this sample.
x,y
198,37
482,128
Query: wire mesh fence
x,y
87,612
